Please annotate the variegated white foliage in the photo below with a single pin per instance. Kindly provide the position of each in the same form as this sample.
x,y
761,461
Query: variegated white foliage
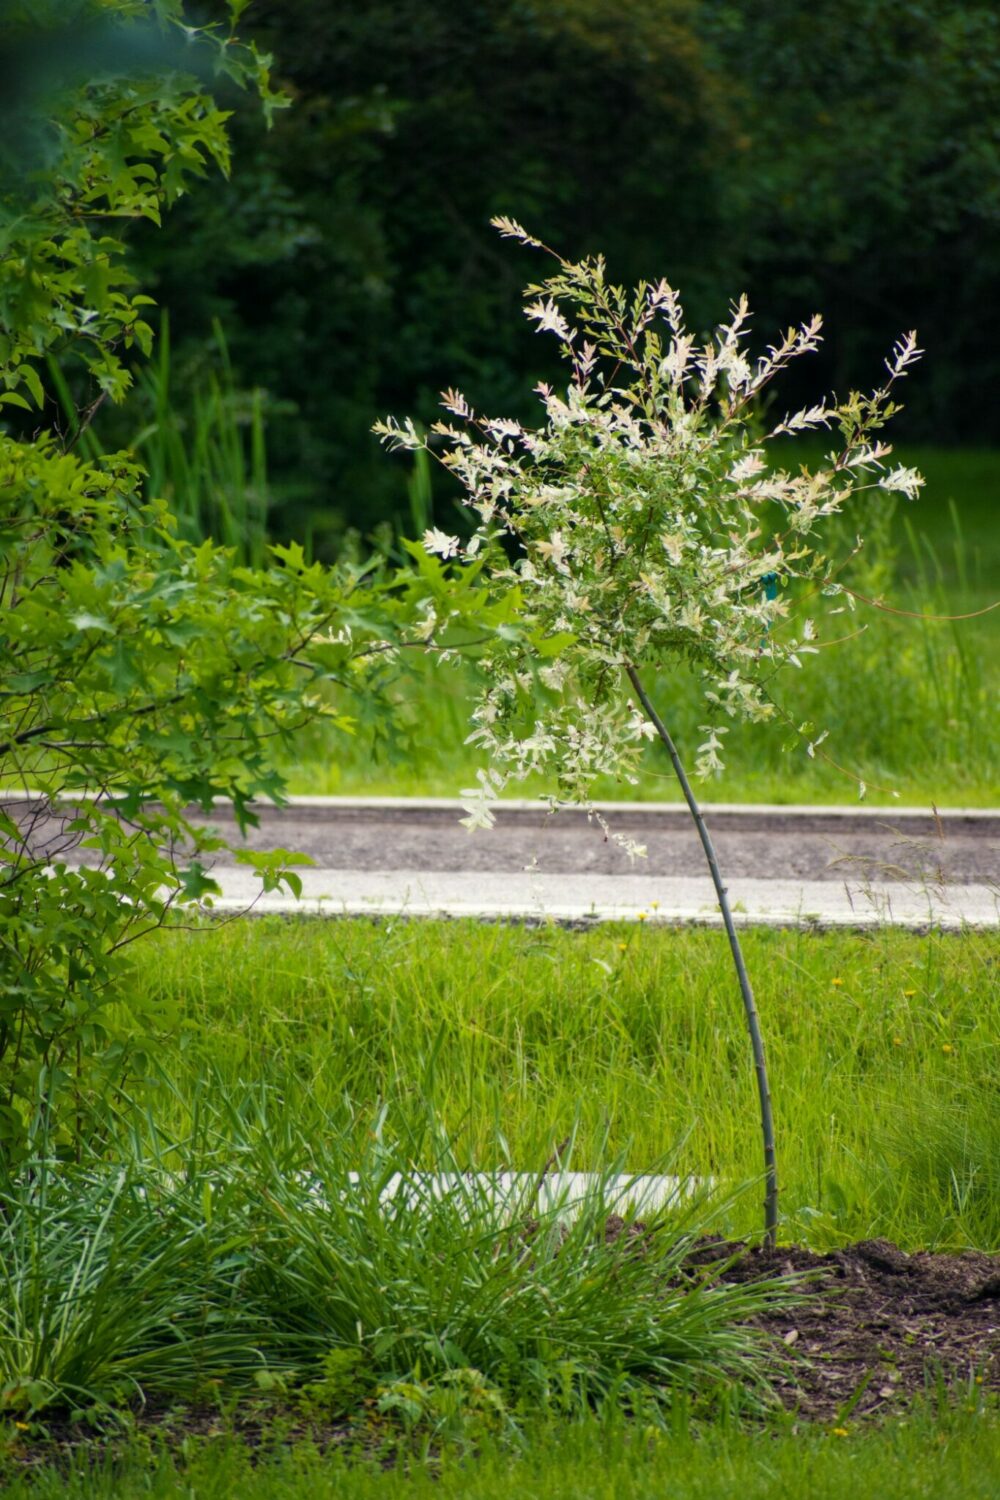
x,y
641,521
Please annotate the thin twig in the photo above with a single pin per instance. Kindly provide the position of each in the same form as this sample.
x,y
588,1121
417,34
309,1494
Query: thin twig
x,y
553,1161
914,614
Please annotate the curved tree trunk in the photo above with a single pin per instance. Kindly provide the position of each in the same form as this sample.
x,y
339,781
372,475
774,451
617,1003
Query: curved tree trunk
x,y
749,1006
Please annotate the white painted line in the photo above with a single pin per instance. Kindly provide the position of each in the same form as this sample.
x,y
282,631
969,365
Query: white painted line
x,y
523,804
604,898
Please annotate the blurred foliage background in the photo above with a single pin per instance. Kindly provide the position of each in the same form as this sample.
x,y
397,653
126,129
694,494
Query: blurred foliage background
x,y
836,158
842,159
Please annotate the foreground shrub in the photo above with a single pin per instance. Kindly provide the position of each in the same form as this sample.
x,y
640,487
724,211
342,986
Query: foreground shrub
x,y
249,1258
141,677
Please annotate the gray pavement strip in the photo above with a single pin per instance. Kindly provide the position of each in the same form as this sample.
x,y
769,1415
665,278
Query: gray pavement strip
x,y
753,843
831,866
595,898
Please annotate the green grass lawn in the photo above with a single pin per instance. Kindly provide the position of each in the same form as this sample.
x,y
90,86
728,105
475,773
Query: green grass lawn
x,y
910,703
953,1455
203,1248
882,1048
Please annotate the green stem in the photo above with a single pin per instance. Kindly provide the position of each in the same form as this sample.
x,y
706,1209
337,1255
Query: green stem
x,y
749,1005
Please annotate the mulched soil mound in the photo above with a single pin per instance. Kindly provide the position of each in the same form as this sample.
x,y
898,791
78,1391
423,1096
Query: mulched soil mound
x,y
878,1325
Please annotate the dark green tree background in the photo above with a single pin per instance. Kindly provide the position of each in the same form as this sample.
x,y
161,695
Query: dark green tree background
x,y
842,158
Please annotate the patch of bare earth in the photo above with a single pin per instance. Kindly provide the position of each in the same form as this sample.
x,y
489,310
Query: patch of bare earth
x,y
878,1324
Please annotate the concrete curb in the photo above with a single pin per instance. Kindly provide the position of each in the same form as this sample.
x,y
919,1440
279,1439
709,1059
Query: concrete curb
x,y
748,809
587,899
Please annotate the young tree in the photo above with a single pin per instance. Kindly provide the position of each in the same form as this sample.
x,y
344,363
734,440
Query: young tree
x,y
644,521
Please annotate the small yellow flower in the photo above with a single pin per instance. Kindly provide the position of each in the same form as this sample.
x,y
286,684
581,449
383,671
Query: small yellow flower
x,y
897,1041
655,905
947,1047
22,1426
979,1380
622,947
642,916
908,994
841,1432
836,984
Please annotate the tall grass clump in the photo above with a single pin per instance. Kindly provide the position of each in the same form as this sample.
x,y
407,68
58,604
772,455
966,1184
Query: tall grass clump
x,y
447,1270
250,1253
205,453
201,440
115,1284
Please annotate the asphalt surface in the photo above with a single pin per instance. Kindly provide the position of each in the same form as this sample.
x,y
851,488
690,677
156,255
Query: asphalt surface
x,y
768,844
831,867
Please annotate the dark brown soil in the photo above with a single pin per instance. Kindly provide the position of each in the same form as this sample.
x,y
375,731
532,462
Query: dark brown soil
x,y
878,1326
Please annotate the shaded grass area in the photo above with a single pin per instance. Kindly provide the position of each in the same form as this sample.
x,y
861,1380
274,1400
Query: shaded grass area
x,y
933,1455
954,520
629,1041
909,703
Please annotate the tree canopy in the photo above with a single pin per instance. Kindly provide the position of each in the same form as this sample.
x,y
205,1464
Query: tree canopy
x,y
844,158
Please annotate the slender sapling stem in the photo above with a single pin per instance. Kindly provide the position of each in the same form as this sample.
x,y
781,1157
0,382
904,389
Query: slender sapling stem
x,y
749,1005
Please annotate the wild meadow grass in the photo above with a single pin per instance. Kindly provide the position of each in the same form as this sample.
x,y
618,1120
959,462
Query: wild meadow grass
x,y
630,1042
909,703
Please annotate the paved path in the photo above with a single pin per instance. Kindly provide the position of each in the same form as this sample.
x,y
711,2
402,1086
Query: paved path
x,y
823,844
840,867
832,866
